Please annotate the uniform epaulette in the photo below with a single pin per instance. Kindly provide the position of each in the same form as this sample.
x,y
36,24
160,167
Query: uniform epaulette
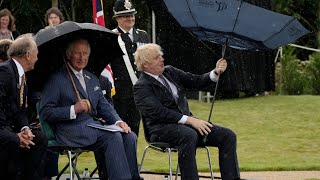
x,y
142,30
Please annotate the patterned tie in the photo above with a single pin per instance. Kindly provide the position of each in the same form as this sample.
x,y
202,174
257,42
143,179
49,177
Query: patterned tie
x,y
165,83
82,82
23,81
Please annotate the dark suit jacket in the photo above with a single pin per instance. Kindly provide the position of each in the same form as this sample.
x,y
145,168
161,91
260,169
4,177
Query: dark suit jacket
x,y
121,76
11,114
57,97
155,102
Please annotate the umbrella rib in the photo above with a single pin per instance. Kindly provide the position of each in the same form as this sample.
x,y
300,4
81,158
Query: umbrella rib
x,y
280,30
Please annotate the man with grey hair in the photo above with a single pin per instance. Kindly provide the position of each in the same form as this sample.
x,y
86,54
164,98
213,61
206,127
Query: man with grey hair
x,y
22,151
115,152
160,96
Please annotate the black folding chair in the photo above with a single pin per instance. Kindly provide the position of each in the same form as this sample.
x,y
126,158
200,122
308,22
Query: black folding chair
x,y
71,152
166,148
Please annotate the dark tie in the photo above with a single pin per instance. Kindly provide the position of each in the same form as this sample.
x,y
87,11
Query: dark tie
x,y
127,36
23,81
165,83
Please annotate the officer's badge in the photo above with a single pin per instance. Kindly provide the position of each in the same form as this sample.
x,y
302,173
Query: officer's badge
x,y
127,4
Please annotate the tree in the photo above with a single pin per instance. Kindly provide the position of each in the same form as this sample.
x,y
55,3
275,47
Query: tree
x,y
308,13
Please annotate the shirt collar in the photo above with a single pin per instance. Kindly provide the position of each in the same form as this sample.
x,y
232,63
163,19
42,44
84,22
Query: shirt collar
x,y
152,75
19,67
130,31
75,71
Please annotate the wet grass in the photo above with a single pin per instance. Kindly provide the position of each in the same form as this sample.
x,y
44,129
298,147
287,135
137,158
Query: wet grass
x,y
274,133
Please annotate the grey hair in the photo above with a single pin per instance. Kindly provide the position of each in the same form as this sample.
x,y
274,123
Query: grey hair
x,y
21,45
70,45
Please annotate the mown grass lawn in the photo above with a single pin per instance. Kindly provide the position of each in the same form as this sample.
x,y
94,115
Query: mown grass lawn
x,y
274,133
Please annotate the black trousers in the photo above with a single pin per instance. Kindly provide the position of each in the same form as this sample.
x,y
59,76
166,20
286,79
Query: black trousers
x,y
188,139
21,163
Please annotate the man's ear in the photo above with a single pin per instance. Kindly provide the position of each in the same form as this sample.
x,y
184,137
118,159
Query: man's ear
x,y
27,55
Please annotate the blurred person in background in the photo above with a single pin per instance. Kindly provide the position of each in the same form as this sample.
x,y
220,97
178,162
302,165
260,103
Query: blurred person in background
x,y
53,17
7,25
4,46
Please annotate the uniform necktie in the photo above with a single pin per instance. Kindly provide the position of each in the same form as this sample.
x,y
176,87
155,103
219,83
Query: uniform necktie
x,y
23,81
165,83
128,34
82,82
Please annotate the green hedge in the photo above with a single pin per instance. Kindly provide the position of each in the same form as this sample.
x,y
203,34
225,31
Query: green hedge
x,y
300,77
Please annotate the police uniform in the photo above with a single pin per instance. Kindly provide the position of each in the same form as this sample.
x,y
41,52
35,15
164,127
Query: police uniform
x,y
123,99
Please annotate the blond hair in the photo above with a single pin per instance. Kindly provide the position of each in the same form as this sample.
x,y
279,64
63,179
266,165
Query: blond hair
x,y
145,53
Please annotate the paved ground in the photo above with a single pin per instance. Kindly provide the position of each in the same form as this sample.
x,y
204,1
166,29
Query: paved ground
x,y
265,175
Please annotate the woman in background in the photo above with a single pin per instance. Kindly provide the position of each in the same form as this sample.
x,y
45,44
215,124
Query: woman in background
x,y
7,25
53,17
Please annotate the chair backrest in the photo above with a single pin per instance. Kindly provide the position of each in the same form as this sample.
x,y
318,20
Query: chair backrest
x,y
147,134
46,128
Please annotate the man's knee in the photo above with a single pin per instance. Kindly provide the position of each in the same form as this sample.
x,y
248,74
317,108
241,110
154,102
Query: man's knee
x,y
231,136
130,137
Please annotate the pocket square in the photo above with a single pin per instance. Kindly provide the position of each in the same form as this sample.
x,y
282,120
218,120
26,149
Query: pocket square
x,y
96,88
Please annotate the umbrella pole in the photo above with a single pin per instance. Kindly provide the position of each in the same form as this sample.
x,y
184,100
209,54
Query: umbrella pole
x,y
224,47
75,88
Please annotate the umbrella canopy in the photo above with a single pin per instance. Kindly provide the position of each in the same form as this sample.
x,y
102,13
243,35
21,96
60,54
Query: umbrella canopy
x,y
242,25
52,43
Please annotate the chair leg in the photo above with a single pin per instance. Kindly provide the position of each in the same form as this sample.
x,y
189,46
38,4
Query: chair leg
x,y
143,156
170,163
210,164
177,172
74,164
70,164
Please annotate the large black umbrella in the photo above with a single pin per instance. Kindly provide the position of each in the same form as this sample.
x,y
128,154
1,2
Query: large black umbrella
x,y
236,24
53,41
240,24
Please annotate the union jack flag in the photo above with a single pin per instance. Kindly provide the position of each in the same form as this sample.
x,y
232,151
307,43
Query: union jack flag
x,y
98,18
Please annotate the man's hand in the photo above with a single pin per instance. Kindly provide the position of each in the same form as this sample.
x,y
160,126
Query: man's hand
x,y
124,126
221,66
203,127
26,137
81,106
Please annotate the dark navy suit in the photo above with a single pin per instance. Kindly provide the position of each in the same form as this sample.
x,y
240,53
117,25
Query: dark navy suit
x,y
16,162
162,112
117,151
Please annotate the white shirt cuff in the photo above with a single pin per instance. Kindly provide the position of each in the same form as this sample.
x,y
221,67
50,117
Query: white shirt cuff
x,y
183,119
73,114
213,76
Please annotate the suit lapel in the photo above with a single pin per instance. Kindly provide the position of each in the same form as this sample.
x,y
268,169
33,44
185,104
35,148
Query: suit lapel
x,y
17,84
89,85
157,83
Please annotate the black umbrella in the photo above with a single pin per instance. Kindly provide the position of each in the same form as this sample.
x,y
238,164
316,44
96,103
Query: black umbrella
x,y
240,24
53,41
236,24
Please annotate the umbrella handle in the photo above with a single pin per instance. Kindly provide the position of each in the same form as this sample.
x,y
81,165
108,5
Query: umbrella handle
x,y
75,88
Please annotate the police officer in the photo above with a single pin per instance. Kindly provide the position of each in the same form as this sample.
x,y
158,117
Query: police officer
x,y
124,14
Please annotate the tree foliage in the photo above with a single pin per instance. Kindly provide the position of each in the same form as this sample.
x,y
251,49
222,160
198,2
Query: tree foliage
x,y
308,13
29,14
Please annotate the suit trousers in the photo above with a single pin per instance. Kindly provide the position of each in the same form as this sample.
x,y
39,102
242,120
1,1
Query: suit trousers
x,y
115,155
188,139
21,163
